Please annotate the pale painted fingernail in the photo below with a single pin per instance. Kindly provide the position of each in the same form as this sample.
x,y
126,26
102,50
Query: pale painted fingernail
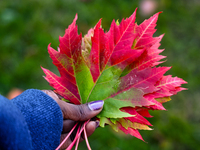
x,y
95,105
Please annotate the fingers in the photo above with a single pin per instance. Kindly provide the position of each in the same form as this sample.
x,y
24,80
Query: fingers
x,y
73,113
77,112
90,128
68,125
80,112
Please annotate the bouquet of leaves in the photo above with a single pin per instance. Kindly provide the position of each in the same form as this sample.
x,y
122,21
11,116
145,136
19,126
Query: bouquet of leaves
x,y
117,66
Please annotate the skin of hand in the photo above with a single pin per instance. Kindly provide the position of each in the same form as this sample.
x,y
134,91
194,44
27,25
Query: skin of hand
x,y
73,113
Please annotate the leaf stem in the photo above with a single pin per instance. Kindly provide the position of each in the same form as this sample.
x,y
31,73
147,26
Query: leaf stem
x,y
67,136
76,137
81,128
77,142
86,139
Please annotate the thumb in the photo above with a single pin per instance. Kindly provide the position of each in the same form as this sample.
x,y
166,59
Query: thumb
x,y
81,112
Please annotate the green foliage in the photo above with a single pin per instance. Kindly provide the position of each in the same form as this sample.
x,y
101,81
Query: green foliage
x,y
27,27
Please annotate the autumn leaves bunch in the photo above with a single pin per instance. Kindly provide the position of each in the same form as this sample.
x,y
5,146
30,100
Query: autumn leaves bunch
x,y
119,66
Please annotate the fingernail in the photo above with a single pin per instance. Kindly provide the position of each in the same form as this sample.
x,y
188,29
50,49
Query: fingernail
x,y
97,124
96,105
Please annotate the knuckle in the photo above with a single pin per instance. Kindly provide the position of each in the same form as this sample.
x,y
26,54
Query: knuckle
x,y
81,113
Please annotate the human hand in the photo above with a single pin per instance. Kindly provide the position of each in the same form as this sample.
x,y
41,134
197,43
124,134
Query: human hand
x,y
73,113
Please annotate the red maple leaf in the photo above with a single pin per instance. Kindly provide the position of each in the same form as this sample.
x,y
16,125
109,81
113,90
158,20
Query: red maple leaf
x,y
119,67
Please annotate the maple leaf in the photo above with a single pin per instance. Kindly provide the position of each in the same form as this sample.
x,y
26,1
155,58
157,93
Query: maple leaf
x,y
119,67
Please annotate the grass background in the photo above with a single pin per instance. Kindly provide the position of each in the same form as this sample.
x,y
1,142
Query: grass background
x,y
27,27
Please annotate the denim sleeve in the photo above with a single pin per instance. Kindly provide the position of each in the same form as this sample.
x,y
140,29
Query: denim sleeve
x,y
43,117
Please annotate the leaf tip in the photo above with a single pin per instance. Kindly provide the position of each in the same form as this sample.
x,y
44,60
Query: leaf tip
x,y
98,25
76,17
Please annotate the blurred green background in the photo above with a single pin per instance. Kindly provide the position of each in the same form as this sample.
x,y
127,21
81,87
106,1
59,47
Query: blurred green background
x,y
27,27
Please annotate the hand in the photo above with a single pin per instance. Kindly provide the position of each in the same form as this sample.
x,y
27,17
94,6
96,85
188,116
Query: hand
x,y
73,113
